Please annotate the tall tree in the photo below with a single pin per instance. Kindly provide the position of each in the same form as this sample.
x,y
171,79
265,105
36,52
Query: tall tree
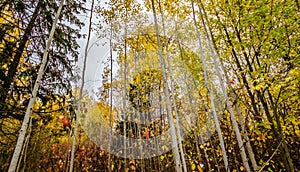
x,y
211,96
16,155
34,24
218,68
259,57
167,94
22,53
81,86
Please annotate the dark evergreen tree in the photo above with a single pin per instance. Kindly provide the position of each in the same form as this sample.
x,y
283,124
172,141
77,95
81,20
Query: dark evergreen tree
x,y
25,27
33,20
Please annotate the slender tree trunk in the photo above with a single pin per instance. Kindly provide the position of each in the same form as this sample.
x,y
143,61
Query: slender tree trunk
x,y
206,155
211,95
242,123
212,148
20,141
110,99
124,89
232,115
288,162
66,161
278,134
233,151
25,146
196,119
196,127
81,89
244,79
285,156
248,144
285,148
173,92
167,95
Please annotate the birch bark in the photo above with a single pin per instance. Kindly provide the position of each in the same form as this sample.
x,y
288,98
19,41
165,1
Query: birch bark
x,y
167,95
232,115
225,159
81,88
20,141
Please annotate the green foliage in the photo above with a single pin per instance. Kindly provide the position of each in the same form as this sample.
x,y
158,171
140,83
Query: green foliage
x,y
258,42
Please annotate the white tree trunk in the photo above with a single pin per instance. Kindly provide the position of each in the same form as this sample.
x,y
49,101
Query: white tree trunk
x,y
81,89
20,141
167,95
173,93
110,97
232,115
248,144
242,123
211,95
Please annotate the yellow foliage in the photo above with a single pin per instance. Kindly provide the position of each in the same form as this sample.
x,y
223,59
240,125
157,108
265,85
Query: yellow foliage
x,y
193,167
11,36
105,111
8,19
298,133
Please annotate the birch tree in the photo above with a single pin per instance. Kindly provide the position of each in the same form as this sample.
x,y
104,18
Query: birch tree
x,y
27,117
172,91
258,58
232,115
81,86
167,95
210,93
